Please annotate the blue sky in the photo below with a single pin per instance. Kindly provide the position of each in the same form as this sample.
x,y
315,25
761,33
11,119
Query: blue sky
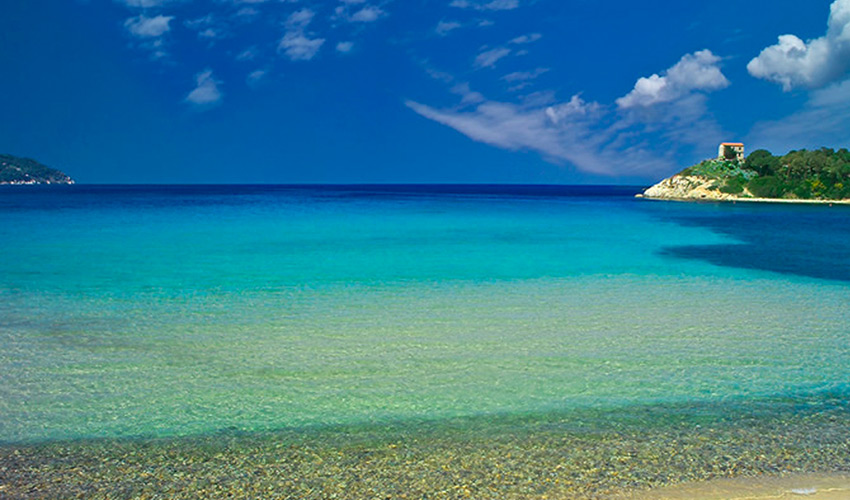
x,y
371,91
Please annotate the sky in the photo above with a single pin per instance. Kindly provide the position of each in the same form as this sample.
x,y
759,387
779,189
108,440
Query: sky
x,y
415,91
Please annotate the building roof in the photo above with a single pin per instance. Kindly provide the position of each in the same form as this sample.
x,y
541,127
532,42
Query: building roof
x,y
732,144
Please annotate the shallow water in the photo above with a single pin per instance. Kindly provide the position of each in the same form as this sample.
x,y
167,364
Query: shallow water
x,y
169,311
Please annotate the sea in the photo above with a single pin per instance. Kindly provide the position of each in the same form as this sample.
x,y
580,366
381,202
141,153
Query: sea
x,y
171,311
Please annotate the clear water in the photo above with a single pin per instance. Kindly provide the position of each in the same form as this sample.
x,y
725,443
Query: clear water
x,y
164,311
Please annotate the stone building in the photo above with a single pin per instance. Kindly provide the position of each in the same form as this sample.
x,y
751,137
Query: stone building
x,y
731,151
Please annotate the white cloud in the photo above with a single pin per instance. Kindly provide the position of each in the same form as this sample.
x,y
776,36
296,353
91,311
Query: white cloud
x,y
148,27
248,54
206,93
300,19
367,14
813,64
657,137
488,58
492,5
567,132
344,47
532,37
361,14
521,76
694,72
256,76
295,44
298,47
444,27
247,12
143,3
207,27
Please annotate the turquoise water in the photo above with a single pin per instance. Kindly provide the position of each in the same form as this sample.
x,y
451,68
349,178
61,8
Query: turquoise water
x,y
128,311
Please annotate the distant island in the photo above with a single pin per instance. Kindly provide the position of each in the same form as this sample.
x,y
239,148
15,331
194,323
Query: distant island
x,y
14,170
820,176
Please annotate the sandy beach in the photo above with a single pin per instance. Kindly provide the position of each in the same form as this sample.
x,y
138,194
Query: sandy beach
x,y
728,199
804,486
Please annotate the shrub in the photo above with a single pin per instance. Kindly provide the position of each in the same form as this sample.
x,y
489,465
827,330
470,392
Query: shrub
x,y
734,185
766,187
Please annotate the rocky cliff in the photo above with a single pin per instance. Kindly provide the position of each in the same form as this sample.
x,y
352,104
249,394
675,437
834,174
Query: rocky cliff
x,y
689,187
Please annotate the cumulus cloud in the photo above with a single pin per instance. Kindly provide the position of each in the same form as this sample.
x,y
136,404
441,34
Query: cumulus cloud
x,y
296,44
206,92
489,58
602,139
148,27
492,5
299,47
795,63
694,72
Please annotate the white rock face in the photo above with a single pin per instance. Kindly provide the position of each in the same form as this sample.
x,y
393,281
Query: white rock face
x,y
681,187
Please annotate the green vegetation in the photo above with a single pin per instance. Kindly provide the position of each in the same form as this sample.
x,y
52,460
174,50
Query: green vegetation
x,y
823,174
14,170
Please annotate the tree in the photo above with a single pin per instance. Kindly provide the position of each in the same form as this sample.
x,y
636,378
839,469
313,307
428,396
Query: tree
x,y
762,162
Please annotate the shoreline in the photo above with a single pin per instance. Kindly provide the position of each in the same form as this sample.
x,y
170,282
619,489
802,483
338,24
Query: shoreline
x,y
808,486
593,453
746,200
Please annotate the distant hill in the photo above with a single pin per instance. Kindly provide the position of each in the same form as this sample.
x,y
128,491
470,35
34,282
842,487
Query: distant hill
x,y
822,175
14,170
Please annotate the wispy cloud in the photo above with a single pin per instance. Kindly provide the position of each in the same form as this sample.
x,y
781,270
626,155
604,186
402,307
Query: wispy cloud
x,y
207,27
491,5
597,138
530,38
144,3
344,47
255,77
794,63
445,27
248,54
521,76
489,58
206,93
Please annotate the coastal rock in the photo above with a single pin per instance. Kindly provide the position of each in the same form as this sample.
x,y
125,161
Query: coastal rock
x,y
687,187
